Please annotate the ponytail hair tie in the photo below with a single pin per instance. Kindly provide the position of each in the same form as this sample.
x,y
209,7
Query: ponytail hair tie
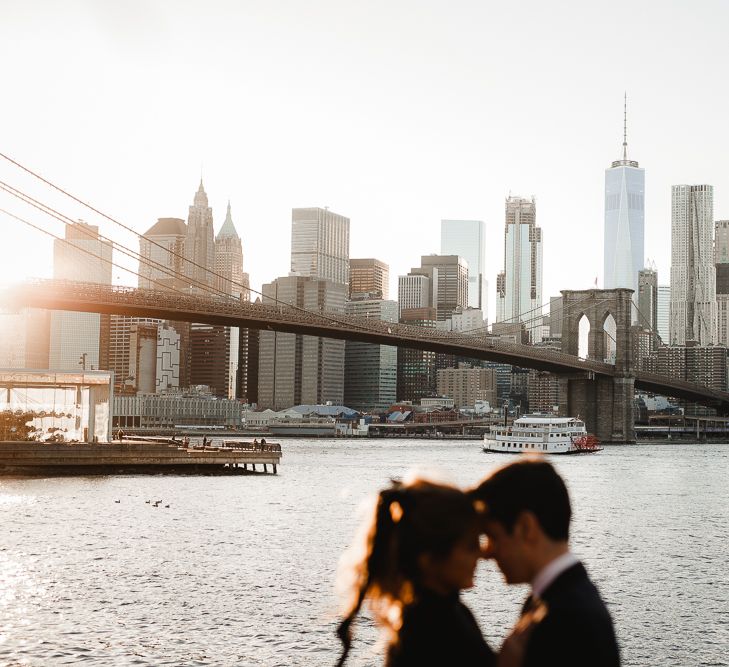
x,y
396,511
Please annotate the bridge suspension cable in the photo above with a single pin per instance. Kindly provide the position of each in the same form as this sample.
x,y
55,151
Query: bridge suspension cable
x,y
204,287
651,328
84,250
115,244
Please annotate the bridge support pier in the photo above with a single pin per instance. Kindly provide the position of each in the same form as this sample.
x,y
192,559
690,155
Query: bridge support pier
x,y
605,404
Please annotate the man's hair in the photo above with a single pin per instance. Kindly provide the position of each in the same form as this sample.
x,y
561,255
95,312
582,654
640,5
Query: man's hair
x,y
528,485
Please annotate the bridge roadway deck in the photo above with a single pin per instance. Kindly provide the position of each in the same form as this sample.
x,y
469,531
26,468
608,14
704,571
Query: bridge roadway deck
x,y
136,302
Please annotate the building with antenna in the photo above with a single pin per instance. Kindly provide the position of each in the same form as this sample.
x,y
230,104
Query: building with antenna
x,y
624,220
693,274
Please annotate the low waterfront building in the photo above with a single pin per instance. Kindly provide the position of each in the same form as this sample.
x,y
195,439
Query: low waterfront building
x,y
437,402
167,410
437,416
55,406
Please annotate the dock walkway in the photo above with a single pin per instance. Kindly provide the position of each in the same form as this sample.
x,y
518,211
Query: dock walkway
x,y
139,456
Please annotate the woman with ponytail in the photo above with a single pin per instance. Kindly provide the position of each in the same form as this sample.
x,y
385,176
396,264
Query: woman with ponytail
x,y
420,551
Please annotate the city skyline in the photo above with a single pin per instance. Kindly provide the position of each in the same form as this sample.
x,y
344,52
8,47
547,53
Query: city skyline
x,y
447,160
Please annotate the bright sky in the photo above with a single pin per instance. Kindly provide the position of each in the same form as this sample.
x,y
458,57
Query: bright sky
x,y
394,113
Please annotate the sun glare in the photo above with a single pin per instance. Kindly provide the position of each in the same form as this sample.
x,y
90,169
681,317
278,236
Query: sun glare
x,y
24,257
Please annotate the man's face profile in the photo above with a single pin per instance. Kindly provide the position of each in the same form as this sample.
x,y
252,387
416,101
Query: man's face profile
x,y
507,549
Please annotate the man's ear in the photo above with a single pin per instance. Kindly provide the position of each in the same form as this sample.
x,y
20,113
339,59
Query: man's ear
x,y
527,526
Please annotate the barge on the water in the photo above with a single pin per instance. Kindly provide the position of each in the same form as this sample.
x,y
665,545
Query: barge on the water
x,y
138,456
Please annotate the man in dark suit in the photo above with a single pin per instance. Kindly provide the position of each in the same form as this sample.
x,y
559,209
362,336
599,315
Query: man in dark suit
x,y
526,515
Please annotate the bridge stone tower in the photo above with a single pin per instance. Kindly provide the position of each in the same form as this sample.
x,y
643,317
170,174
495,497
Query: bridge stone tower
x,y
604,403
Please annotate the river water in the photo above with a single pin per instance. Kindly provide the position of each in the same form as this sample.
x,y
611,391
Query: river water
x,y
240,570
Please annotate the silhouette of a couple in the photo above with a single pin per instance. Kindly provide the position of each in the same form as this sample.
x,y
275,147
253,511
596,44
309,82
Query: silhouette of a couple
x,y
421,549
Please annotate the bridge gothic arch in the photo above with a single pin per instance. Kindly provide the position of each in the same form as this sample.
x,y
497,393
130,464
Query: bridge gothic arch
x,y
597,305
605,403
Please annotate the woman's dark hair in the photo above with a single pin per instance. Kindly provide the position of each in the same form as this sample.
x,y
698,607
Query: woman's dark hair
x,y
410,520
528,485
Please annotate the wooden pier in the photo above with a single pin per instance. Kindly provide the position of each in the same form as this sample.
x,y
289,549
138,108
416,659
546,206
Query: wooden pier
x,y
135,456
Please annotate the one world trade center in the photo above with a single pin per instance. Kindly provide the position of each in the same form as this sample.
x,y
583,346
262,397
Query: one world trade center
x,y
624,220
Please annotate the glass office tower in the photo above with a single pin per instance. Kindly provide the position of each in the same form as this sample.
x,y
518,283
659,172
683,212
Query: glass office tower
x,y
466,238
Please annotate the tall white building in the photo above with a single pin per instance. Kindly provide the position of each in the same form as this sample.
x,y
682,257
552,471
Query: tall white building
x,y
76,338
467,239
664,313
624,222
520,285
693,275
320,244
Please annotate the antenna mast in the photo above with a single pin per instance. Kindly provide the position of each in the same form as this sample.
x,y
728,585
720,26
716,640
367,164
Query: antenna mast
x,y
625,127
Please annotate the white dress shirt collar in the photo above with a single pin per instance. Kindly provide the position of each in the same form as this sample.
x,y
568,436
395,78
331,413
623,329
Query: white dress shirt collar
x,y
551,571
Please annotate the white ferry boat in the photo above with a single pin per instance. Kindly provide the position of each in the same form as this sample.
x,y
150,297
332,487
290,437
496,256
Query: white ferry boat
x,y
542,433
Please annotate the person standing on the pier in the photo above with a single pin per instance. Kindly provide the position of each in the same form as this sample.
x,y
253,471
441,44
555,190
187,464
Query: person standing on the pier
x,y
526,516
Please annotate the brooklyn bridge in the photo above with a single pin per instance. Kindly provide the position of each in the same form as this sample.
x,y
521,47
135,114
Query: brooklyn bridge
x,y
601,393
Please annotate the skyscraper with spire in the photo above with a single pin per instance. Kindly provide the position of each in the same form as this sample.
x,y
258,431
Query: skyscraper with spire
x,y
231,279
199,244
229,260
624,219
